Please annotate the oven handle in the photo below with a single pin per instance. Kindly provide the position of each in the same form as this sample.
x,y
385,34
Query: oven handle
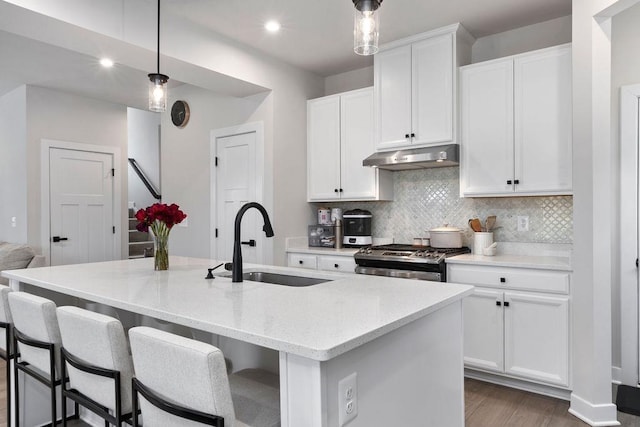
x,y
404,274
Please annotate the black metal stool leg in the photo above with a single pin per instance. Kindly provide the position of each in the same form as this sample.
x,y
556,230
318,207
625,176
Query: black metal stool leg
x,y
16,393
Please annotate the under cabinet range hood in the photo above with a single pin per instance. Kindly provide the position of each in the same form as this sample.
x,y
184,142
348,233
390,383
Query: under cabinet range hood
x,y
415,158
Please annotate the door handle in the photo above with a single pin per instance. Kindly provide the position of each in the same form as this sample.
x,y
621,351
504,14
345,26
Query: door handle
x,y
251,243
56,239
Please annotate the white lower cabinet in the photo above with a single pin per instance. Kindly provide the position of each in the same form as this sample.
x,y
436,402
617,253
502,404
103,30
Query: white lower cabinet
x,y
343,263
514,333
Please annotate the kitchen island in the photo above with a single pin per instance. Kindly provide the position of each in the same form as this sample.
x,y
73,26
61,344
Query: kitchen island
x,y
402,338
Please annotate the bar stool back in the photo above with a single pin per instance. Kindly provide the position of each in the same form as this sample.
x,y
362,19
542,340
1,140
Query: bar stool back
x,y
181,379
96,356
6,323
37,341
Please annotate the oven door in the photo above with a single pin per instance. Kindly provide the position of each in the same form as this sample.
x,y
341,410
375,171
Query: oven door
x,y
434,276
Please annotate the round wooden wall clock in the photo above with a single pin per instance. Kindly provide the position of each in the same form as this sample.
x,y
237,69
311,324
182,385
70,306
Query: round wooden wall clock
x,y
180,113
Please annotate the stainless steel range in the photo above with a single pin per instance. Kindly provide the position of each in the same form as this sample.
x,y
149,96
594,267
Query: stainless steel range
x,y
406,261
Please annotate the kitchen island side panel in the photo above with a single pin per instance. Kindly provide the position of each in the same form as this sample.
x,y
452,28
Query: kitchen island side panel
x,y
412,376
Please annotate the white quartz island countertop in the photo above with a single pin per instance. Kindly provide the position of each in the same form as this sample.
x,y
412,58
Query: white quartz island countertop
x,y
318,322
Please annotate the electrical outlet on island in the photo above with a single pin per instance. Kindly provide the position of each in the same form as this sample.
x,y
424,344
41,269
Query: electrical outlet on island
x,y
347,399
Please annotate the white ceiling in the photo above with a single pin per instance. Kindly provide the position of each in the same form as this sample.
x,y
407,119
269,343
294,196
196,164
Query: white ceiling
x,y
318,35
315,35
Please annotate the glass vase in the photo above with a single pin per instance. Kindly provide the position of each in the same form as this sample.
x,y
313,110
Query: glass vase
x,y
161,242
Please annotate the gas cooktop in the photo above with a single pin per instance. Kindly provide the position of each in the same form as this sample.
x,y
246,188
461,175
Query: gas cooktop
x,y
408,253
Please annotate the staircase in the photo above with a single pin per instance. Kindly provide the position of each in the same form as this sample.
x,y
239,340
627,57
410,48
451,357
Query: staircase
x,y
140,242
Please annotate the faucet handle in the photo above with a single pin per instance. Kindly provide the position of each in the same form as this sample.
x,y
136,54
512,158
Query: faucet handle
x,y
228,266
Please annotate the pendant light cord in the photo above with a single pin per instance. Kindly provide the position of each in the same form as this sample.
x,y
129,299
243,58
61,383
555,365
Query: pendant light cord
x,y
158,37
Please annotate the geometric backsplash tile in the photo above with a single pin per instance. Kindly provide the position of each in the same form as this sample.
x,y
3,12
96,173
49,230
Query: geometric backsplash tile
x,y
428,198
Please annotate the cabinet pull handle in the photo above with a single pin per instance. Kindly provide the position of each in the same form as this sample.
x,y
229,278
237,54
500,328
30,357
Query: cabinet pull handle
x,y
503,280
336,265
517,181
506,303
498,303
509,182
301,262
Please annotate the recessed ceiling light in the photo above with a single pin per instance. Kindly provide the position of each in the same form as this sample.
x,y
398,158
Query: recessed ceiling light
x,y
272,26
106,62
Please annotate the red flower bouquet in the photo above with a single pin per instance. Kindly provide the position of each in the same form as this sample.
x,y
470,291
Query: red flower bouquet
x,y
160,218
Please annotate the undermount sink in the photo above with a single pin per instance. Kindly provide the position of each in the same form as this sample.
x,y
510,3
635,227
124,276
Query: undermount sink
x,y
280,279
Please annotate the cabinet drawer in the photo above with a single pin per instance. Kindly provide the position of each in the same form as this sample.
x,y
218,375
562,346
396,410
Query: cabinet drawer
x,y
512,278
346,264
303,261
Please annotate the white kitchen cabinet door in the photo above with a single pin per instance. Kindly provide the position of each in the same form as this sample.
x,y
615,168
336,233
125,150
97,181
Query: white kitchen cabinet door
x,y
302,261
346,264
323,148
392,73
357,143
483,330
543,135
537,337
432,89
487,128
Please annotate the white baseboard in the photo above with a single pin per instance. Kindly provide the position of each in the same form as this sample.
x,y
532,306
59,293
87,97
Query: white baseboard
x,y
596,415
545,390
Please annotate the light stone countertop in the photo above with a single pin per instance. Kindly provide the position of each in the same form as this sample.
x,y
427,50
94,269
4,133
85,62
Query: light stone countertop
x,y
323,251
317,322
517,261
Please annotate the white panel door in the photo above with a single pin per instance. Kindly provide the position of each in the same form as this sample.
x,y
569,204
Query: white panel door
x,y
81,206
392,72
235,186
483,330
357,142
543,108
432,86
537,337
487,128
323,148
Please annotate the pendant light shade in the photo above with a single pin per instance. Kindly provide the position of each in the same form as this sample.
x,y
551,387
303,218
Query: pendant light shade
x,y
158,82
366,26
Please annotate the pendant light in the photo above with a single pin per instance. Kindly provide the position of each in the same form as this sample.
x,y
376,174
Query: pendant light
x,y
158,82
366,26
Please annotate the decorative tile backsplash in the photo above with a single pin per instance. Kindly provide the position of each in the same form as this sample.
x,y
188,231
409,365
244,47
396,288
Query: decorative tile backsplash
x,y
428,198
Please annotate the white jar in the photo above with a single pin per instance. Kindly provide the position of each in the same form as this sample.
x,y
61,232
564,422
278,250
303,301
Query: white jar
x,y
481,240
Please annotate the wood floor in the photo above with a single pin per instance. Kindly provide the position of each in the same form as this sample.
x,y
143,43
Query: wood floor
x,y
486,405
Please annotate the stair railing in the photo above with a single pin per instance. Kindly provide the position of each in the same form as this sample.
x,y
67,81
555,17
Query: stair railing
x,y
144,179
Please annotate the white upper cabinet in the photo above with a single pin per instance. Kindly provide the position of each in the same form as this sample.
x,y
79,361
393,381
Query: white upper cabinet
x,y
516,125
339,137
415,88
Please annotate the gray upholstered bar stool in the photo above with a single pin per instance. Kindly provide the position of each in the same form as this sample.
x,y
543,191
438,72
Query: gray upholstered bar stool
x,y
36,338
6,345
181,379
96,357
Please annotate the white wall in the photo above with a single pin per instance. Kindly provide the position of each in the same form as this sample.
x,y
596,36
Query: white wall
x,y
186,159
13,162
625,70
537,36
351,80
143,135
65,117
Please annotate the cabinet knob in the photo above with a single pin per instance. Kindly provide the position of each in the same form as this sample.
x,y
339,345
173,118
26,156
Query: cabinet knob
x,y
517,181
506,303
336,265
300,262
406,135
413,135
341,190
498,303
335,190
509,182
503,280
